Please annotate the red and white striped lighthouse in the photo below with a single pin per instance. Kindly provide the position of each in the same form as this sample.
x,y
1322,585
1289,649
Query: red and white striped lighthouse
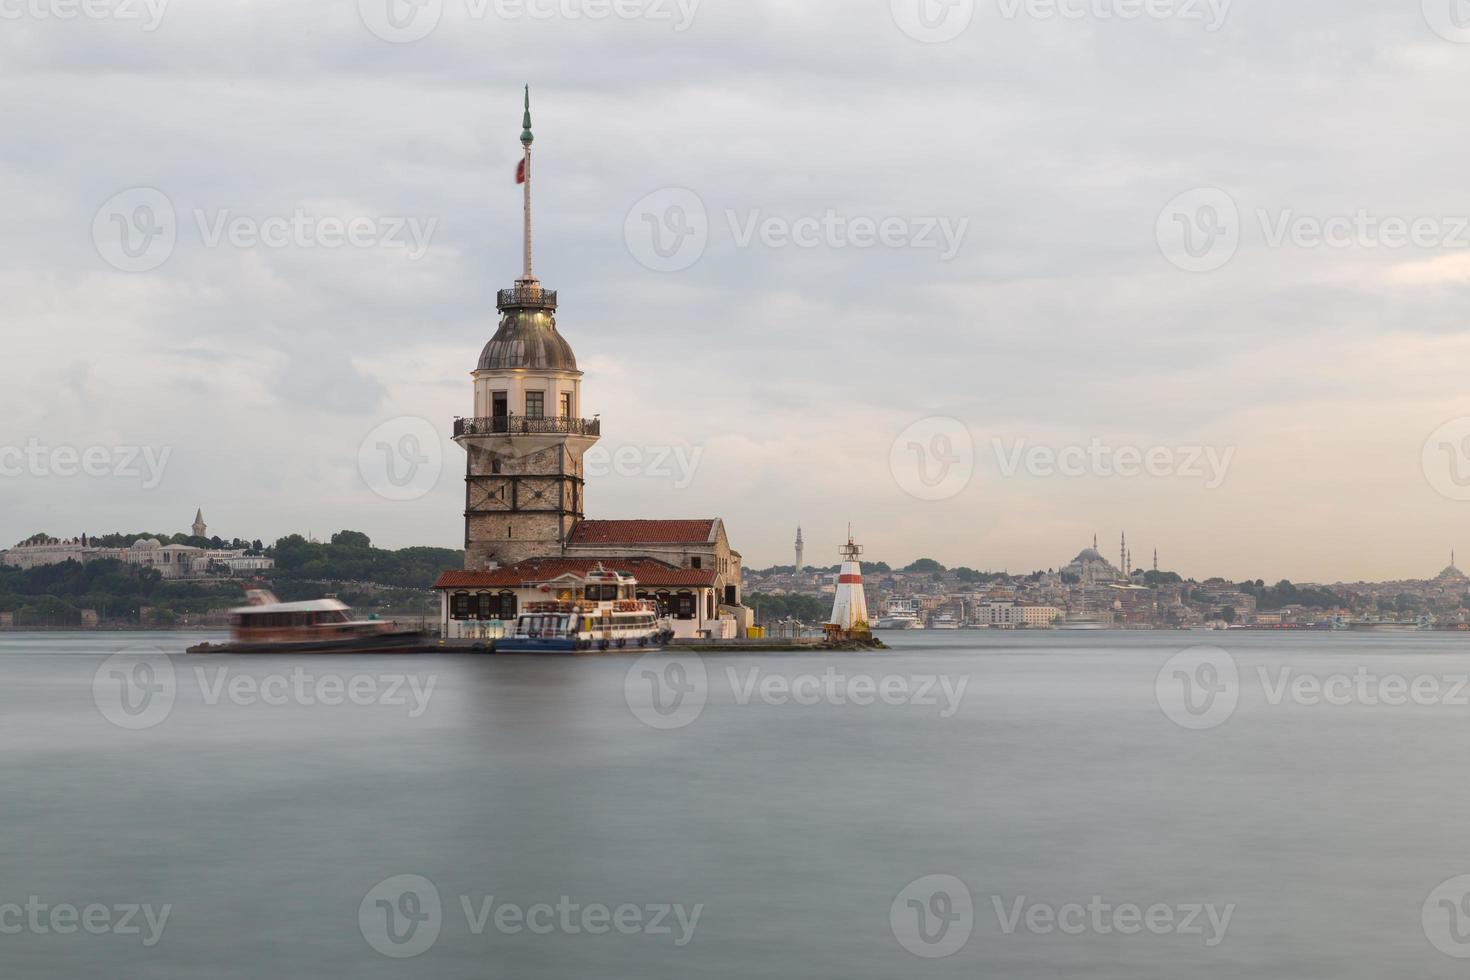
x,y
850,608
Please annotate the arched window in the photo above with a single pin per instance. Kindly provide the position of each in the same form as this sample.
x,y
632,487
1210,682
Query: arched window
x,y
508,605
459,606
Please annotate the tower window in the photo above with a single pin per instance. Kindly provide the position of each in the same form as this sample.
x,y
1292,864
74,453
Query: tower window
x,y
535,404
694,562
566,404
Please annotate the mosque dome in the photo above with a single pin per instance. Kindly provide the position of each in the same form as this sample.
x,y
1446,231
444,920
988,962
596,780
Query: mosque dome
x,y
527,338
1090,554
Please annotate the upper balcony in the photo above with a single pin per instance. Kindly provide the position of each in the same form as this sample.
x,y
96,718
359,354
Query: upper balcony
x,y
526,296
527,425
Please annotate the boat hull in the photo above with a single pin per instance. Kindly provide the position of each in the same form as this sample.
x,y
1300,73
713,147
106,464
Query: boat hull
x,y
405,642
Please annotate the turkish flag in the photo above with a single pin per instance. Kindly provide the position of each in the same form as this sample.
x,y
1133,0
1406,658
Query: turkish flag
x,y
521,172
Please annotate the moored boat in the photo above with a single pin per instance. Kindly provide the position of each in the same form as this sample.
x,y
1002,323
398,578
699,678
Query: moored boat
x,y
605,615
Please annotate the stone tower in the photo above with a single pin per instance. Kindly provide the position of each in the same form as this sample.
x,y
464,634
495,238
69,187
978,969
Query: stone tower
x,y
199,526
800,551
525,442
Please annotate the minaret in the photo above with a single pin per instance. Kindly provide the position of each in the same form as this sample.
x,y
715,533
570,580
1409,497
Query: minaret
x,y
800,548
525,442
199,526
1156,559
1123,554
850,607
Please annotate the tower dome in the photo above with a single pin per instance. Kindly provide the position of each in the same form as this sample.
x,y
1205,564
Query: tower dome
x,y
527,338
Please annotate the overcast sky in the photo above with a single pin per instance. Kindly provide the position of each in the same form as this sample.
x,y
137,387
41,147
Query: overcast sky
x,y
808,255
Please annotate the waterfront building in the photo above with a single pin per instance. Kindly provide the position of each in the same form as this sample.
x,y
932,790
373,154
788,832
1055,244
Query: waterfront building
x,y
525,488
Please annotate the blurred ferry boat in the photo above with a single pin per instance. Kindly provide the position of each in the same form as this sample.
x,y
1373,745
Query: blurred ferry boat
x,y
899,614
265,624
606,615
944,621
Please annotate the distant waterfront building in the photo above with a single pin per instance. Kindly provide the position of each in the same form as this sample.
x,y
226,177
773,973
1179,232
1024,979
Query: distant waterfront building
x,y
173,561
525,507
1091,568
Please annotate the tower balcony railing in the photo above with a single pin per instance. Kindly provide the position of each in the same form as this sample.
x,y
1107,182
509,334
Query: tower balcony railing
x,y
527,425
531,295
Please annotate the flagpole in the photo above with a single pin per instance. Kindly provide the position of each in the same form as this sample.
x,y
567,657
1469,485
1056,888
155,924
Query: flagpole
x,y
526,141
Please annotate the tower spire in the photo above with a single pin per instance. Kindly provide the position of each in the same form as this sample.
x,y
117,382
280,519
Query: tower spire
x,y
526,140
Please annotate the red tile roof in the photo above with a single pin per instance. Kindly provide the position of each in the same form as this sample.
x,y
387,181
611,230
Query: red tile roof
x,y
653,574
643,532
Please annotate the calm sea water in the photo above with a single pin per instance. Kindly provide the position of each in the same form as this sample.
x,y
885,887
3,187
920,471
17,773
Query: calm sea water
x,y
291,835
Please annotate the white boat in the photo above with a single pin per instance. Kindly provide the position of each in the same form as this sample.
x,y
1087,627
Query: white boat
x,y
899,614
268,625
605,615
944,621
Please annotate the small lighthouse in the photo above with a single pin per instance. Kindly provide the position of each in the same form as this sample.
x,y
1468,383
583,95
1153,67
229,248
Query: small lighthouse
x,y
850,609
